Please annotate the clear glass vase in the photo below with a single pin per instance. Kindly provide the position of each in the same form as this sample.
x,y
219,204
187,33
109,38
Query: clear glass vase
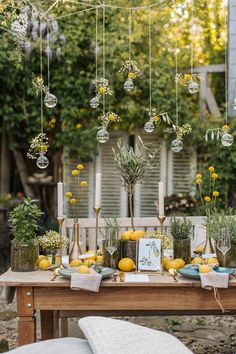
x,y
182,249
75,251
54,256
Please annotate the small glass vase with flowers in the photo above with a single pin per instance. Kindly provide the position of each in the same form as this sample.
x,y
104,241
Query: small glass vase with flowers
x,y
50,244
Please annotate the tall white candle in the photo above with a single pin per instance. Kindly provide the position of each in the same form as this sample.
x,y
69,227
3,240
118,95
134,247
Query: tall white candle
x,y
161,199
60,198
98,190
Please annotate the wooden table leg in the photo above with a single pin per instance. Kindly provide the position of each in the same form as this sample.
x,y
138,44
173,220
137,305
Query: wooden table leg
x,y
27,320
49,324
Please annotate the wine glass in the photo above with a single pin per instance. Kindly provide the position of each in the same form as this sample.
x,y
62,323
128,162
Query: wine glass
x,y
111,241
224,243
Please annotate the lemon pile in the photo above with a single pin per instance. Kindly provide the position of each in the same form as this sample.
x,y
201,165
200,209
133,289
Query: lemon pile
x,y
199,260
132,235
43,262
88,262
173,264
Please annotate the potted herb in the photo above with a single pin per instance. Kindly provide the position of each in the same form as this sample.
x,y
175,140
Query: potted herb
x,y
24,249
181,229
224,220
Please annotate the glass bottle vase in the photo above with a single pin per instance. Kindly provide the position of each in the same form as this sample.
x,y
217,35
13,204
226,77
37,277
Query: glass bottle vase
x,y
75,251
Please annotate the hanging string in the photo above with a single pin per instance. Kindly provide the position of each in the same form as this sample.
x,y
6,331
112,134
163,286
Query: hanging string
x,y
191,34
41,74
130,32
150,60
176,68
226,65
96,45
104,50
48,55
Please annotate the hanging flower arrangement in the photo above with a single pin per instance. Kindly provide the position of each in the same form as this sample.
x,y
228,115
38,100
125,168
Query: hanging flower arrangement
x,y
37,150
130,67
188,80
102,88
106,119
38,85
220,134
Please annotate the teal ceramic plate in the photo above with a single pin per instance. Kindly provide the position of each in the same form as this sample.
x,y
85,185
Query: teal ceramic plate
x,y
66,273
192,271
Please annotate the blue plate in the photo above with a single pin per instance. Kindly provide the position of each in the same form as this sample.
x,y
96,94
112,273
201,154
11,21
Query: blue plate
x,y
105,272
191,271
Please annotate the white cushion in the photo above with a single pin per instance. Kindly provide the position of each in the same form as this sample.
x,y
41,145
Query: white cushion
x,y
55,346
106,336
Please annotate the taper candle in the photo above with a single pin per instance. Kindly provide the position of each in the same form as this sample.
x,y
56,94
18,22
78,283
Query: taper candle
x,y
161,199
60,199
98,190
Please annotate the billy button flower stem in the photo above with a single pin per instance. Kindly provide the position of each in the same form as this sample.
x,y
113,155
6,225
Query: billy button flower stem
x,y
211,170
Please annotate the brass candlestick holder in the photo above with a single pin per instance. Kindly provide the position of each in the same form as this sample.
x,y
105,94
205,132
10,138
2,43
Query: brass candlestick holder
x,y
161,221
97,212
60,220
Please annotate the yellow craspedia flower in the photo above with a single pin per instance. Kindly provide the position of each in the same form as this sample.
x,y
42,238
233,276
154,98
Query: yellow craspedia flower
x,y
156,118
198,176
73,201
80,166
199,181
207,199
187,77
78,126
102,90
68,194
75,173
216,194
225,128
111,117
132,75
84,184
211,169
214,175
43,147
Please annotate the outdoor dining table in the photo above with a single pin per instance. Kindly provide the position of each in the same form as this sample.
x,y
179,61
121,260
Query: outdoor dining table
x,y
160,296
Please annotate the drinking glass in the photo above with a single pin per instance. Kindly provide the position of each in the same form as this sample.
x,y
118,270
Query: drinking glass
x,y
111,241
224,243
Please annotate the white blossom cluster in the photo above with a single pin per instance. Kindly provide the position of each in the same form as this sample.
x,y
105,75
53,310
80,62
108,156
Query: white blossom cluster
x,y
19,27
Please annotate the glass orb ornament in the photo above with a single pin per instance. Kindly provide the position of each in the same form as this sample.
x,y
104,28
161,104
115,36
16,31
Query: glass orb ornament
x,y
42,161
193,87
234,104
129,85
227,139
50,100
177,145
149,127
94,102
102,136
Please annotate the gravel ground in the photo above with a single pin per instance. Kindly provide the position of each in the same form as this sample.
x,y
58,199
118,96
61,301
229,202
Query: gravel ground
x,y
202,334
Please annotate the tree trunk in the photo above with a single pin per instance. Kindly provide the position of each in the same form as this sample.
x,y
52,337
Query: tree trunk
x,y
22,169
130,192
5,164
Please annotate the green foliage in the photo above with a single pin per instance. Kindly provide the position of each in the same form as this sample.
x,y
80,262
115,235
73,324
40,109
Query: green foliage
x,y
223,220
24,219
181,228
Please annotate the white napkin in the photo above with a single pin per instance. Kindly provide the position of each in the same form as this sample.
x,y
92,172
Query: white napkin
x,y
214,280
90,282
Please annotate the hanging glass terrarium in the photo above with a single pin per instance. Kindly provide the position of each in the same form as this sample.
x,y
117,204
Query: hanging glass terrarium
x,y
50,100
177,145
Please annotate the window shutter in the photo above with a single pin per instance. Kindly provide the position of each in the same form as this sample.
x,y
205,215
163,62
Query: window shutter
x,y
181,171
146,194
114,198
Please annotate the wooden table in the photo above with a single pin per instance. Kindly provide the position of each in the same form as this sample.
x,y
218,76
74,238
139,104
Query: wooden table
x,y
161,295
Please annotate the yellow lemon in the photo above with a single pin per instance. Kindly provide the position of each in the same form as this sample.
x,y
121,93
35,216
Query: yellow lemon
x,y
171,264
212,260
89,262
132,75
126,264
92,257
165,260
197,260
102,90
40,257
126,235
44,264
204,268
137,234
83,269
75,173
76,263
100,259
180,262
187,77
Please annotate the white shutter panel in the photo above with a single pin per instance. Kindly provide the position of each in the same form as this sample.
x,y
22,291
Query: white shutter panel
x,y
181,171
71,184
146,195
114,199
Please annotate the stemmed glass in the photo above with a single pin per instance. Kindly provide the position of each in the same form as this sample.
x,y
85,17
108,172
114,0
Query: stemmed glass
x,y
111,241
224,243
